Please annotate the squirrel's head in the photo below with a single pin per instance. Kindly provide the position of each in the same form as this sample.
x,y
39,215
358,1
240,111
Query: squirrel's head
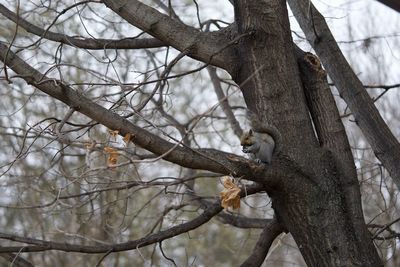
x,y
247,138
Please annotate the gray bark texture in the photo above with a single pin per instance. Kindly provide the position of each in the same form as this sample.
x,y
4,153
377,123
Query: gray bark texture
x,y
321,208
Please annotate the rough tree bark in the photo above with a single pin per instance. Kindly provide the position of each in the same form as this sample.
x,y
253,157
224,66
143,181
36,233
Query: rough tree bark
x,y
312,181
321,209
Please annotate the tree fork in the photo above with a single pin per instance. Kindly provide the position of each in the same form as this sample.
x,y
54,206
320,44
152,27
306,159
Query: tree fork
x,y
312,208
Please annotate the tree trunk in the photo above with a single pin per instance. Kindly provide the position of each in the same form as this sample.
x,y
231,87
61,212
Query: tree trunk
x,y
313,206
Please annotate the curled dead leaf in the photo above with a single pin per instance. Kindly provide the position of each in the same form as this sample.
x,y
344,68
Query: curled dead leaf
x,y
113,154
230,196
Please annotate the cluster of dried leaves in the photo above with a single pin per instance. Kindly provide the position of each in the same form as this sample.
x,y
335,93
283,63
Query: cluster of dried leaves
x,y
230,196
112,152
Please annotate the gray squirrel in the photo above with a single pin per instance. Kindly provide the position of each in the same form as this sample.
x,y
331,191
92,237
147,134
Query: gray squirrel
x,y
262,140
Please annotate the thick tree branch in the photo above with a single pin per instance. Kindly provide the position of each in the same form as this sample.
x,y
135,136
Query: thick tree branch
x,y
85,43
55,88
237,220
42,245
210,210
206,159
395,4
260,251
209,47
241,221
385,146
332,135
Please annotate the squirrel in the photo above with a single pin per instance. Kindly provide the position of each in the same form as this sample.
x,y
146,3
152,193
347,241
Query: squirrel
x,y
262,140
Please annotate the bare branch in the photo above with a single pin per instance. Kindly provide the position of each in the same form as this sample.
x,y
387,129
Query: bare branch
x,y
210,210
42,245
209,47
385,227
16,260
382,86
85,43
260,251
224,101
85,106
377,86
207,159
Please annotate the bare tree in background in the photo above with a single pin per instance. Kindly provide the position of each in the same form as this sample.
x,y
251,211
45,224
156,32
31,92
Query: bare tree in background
x,y
116,146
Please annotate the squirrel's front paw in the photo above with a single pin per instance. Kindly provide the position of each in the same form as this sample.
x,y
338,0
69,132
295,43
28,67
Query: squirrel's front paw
x,y
245,149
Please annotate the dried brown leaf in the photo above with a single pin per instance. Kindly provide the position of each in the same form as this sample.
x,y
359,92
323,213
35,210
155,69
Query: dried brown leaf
x,y
230,196
113,154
